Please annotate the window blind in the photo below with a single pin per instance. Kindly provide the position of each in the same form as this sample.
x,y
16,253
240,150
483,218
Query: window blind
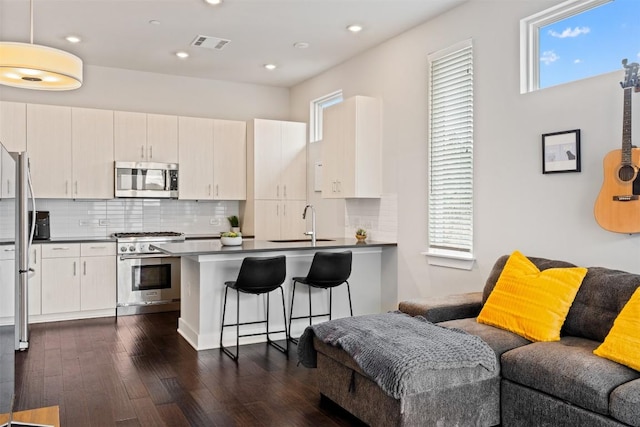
x,y
450,201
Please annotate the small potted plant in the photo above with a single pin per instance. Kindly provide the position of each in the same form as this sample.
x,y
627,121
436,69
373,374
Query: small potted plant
x,y
235,223
231,238
361,234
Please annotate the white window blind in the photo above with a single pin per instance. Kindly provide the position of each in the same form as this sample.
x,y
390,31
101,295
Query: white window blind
x,y
450,202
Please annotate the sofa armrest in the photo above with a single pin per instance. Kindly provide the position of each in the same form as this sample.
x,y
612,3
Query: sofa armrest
x,y
440,309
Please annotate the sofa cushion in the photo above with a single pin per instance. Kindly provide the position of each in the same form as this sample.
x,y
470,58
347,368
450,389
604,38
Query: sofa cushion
x,y
568,370
601,297
622,344
530,302
624,403
498,339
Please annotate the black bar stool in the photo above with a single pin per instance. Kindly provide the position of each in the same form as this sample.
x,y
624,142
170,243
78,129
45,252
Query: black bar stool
x,y
328,270
258,275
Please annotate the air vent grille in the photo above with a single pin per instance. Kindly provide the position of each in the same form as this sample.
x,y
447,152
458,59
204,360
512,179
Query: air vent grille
x,y
210,42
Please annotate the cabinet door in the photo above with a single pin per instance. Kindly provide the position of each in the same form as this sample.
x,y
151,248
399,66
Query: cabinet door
x,y
49,147
130,136
98,283
267,222
195,154
293,179
60,285
7,176
332,145
7,290
162,138
92,153
13,125
267,155
229,160
35,280
292,226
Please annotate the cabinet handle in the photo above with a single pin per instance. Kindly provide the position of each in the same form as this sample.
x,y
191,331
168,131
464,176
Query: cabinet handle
x,y
35,260
333,187
84,268
285,191
10,250
8,186
277,210
209,189
61,248
151,152
97,247
66,187
217,190
284,210
142,151
76,187
74,268
277,190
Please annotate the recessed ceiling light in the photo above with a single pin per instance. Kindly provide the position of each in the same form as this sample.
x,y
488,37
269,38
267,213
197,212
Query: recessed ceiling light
x,y
73,39
182,55
154,22
213,1
301,45
270,66
354,28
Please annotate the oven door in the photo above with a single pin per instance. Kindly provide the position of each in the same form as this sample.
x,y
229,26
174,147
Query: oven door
x,y
145,280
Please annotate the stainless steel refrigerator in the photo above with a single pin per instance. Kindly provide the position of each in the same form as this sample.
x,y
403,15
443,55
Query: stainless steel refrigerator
x,y
14,332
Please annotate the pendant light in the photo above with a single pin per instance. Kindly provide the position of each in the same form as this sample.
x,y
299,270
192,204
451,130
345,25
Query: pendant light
x,y
32,66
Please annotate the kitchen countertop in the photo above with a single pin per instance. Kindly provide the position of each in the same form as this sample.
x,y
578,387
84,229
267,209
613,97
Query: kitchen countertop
x,y
91,239
212,247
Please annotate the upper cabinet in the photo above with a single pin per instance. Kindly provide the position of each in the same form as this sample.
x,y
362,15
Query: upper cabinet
x,y
92,153
13,125
49,148
70,152
212,156
351,151
141,137
278,159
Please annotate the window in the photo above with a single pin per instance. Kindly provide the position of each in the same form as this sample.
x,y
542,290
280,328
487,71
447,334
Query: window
x,y
577,39
450,202
317,107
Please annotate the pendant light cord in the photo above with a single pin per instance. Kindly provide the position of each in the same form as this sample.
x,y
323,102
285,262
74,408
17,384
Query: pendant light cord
x,y
31,14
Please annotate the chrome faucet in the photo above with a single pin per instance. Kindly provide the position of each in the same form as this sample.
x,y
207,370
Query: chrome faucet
x,y
311,233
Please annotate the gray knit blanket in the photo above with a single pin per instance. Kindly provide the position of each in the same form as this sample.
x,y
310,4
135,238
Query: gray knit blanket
x,y
395,349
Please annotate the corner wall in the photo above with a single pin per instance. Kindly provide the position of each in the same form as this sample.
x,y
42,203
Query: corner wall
x,y
516,207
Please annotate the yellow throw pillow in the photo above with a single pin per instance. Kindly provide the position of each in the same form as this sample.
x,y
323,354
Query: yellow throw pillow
x,y
622,343
530,302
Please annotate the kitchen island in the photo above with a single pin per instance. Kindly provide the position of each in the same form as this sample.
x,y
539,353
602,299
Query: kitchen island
x,y
206,265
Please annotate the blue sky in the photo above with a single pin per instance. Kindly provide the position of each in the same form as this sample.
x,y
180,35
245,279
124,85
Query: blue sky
x,y
591,43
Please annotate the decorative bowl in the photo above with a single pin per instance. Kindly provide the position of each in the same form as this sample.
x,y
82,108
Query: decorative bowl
x,y
231,241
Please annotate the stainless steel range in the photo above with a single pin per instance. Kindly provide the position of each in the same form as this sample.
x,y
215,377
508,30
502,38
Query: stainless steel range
x,y
148,280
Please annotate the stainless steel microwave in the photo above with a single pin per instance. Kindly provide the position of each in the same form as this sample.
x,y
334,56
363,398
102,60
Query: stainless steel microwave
x,y
146,180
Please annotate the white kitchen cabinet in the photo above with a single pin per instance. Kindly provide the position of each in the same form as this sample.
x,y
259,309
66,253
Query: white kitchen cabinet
x,y
229,160
277,159
7,282
212,156
7,176
49,148
13,125
141,137
35,280
78,277
279,219
351,150
92,153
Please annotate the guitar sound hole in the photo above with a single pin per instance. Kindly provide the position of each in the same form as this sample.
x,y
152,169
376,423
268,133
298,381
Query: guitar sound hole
x,y
626,173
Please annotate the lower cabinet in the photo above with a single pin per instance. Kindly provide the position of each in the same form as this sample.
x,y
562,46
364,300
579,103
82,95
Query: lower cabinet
x,y
7,282
279,219
78,277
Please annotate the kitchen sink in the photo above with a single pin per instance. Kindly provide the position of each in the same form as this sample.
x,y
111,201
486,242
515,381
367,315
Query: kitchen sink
x,y
299,240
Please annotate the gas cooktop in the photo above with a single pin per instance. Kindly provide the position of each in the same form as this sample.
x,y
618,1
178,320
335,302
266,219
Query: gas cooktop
x,y
147,234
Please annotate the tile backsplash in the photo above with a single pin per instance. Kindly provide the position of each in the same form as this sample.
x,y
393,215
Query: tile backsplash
x,y
101,218
378,216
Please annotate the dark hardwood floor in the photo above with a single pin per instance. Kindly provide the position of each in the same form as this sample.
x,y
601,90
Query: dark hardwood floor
x,y
137,371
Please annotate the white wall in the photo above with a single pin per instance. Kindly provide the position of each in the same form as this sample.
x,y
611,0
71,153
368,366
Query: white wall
x,y
118,89
516,207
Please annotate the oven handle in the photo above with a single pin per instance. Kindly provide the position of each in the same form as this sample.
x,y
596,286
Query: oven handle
x,y
126,257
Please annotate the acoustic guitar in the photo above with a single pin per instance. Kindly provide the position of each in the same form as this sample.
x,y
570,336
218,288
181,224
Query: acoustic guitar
x,y
617,207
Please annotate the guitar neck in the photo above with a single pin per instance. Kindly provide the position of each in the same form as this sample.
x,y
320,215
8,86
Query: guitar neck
x,y
626,127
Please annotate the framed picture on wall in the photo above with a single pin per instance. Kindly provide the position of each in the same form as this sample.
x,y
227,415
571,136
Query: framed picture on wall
x,y
561,151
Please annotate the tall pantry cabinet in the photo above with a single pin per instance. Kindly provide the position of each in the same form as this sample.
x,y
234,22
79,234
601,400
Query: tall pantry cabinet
x,y
276,179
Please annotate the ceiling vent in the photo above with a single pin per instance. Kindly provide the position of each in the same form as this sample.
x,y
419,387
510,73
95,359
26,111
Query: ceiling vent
x,y
210,42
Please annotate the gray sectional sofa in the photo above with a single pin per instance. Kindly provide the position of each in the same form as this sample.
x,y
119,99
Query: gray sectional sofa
x,y
539,384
